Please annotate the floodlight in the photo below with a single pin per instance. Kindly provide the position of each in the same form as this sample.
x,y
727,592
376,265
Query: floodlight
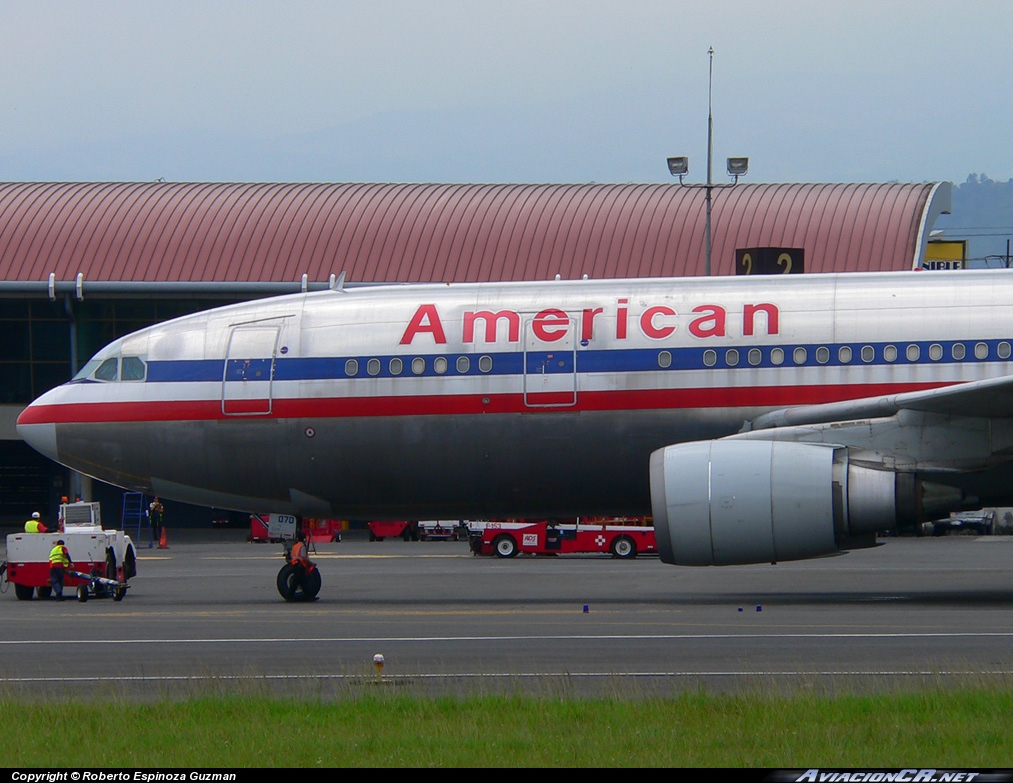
x,y
737,167
678,167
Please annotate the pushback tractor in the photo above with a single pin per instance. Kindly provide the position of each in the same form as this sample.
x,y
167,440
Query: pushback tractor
x,y
103,560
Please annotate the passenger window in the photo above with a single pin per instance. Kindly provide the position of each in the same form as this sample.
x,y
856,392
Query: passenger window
x,y
485,363
799,355
822,354
418,365
913,353
107,371
981,351
396,366
132,369
890,353
665,359
755,356
710,358
440,365
777,356
1003,349
351,368
958,351
935,352
373,366
463,364
844,355
868,353
731,357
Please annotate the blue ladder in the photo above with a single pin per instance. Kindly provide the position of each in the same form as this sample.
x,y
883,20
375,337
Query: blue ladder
x,y
135,515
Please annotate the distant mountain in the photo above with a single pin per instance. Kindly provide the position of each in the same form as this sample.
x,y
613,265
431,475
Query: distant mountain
x,y
982,213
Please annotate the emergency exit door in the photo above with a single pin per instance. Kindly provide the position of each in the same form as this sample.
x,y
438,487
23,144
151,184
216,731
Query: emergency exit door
x,y
550,368
249,370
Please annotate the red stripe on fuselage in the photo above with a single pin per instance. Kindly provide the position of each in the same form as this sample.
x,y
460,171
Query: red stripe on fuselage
x,y
430,405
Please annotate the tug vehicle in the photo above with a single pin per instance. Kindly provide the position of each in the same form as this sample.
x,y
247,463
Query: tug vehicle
x,y
103,560
620,537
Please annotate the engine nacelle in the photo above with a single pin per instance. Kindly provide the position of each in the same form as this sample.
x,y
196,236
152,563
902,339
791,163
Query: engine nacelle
x,y
728,502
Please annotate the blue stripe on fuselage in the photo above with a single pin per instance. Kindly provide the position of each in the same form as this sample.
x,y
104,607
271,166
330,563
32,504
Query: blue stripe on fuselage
x,y
562,361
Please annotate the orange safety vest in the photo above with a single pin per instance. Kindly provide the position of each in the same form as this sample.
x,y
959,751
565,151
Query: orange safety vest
x,y
298,555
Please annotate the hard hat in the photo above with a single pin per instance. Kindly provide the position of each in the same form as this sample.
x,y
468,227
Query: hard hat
x,y
35,515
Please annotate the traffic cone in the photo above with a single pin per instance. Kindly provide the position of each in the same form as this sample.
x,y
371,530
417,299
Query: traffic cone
x,y
163,542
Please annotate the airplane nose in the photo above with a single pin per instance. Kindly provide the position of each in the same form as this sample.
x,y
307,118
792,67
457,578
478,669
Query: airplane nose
x,y
41,436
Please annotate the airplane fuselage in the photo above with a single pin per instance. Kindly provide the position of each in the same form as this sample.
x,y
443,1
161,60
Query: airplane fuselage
x,y
493,400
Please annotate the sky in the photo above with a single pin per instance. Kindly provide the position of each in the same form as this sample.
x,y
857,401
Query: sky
x,y
514,91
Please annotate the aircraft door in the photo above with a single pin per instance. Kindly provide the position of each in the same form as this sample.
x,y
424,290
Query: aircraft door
x,y
550,366
249,370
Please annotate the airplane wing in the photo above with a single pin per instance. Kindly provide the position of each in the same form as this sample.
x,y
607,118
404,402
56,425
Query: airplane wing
x,y
990,399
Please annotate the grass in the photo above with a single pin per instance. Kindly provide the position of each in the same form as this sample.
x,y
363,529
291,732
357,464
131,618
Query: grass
x,y
941,728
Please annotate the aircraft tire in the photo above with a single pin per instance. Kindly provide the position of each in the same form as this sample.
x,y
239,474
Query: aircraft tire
x,y
311,585
504,546
623,548
291,591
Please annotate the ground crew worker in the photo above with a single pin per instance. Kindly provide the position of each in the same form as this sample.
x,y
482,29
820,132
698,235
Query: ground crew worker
x,y
156,516
34,525
300,558
59,562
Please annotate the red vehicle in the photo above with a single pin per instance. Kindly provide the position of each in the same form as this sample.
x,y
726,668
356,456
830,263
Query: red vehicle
x,y
378,531
619,537
95,552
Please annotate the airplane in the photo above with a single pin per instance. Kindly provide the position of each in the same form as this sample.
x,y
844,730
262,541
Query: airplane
x,y
758,419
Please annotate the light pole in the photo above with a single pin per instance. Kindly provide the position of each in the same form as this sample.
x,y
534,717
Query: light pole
x,y
737,167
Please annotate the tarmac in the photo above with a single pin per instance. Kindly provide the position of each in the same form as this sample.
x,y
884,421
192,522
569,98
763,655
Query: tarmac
x,y
205,616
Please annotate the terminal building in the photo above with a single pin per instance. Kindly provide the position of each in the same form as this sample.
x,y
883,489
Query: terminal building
x,y
84,263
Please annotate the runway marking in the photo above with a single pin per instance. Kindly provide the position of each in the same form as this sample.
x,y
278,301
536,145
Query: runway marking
x,y
552,637
321,556
369,679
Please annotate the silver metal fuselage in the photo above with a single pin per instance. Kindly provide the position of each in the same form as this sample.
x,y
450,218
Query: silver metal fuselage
x,y
494,400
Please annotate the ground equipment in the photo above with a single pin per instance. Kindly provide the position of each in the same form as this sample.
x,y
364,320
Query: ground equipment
x,y
95,553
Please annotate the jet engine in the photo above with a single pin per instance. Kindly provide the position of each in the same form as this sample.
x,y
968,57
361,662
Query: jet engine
x,y
728,502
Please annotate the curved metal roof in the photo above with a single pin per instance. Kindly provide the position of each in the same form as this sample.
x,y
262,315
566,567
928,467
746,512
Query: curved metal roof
x,y
218,232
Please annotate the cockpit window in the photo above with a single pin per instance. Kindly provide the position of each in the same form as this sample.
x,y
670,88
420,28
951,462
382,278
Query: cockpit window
x,y
87,370
132,369
107,370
